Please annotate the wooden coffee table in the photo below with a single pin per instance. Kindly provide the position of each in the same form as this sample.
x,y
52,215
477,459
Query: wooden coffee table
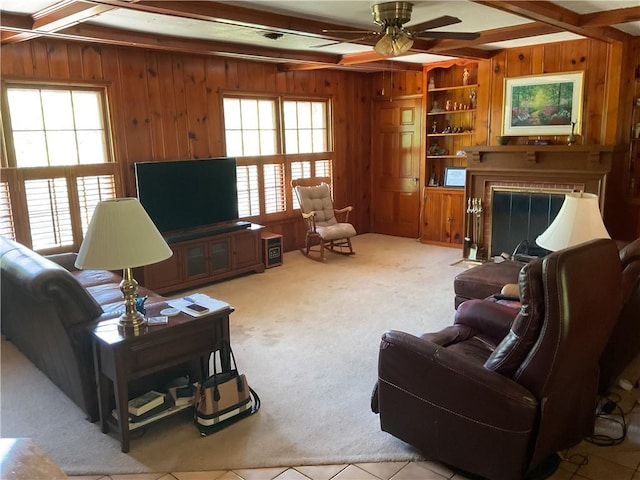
x,y
120,359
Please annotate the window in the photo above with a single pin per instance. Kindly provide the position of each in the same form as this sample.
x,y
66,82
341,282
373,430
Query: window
x,y
59,164
275,140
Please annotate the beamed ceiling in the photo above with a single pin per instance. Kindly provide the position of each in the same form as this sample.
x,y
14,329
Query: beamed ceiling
x,y
294,33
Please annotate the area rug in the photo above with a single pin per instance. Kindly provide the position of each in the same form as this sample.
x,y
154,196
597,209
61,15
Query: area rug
x,y
306,334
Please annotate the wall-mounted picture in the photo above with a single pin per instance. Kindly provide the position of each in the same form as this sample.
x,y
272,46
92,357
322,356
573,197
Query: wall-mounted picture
x,y
548,104
454,176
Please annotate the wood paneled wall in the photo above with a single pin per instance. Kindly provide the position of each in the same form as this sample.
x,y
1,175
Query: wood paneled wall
x,y
168,106
592,57
606,109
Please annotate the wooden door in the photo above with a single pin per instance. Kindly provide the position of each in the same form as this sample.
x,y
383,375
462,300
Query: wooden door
x,y
396,167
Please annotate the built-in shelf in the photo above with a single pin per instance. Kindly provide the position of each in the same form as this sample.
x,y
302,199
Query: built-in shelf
x,y
450,134
449,112
457,87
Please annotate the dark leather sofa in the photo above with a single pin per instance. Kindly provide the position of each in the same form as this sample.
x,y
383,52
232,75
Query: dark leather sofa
x,y
47,306
496,396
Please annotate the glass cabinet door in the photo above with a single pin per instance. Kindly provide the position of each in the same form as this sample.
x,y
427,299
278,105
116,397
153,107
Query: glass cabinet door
x,y
220,255
196,260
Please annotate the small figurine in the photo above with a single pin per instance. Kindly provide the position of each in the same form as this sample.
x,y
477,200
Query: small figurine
x,y
465,77
432,84
472,98
447,106
447,130
140,305
434,127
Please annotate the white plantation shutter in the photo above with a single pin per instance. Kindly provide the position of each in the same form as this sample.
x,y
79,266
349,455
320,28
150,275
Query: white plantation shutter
x,y
92,190
248,191
7,227
274,188
323,169
49,213
299,170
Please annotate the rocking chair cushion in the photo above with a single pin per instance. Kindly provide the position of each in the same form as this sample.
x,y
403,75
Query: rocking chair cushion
x,y
318,199
336,231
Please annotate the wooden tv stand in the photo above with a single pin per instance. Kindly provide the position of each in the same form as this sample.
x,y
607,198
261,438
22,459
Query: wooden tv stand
x,y
201,257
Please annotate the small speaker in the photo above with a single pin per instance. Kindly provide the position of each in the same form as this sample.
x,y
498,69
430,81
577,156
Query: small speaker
x,y
271,249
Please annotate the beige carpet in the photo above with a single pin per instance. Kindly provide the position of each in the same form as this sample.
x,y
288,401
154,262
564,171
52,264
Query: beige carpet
x,y
306,334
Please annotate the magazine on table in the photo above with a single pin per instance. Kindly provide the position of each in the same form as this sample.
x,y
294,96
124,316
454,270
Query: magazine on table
x,y
198,304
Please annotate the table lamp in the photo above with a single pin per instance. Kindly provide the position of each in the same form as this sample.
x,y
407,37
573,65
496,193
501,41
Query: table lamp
x,y
121,236
578,221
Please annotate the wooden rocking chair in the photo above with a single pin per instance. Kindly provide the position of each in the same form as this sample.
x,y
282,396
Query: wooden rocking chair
x,y
323,228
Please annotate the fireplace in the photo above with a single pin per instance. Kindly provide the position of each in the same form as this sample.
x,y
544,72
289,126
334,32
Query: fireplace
x,y
521,189
519,215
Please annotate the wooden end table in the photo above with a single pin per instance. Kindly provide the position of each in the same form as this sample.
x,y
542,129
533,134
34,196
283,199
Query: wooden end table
x,y
120,359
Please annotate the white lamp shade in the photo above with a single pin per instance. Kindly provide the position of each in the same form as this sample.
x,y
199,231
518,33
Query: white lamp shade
x,y
121,235
578,221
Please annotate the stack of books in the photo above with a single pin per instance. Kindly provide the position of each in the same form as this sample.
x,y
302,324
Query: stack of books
x,y
146,406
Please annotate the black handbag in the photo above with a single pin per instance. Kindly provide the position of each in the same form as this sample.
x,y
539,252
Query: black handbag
x,y
223,398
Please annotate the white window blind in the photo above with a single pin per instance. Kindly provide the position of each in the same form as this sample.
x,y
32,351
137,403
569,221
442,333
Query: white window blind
x,y
299,170
248,191
7,227
274,188
92,190
49,213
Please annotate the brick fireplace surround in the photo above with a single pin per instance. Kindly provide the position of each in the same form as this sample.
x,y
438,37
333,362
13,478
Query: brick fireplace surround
x,y
531,168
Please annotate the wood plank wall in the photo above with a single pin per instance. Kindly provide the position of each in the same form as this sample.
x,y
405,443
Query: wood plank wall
x,y
606,114
167,106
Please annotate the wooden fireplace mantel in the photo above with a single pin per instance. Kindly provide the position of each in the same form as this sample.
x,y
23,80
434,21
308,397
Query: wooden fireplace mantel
x,y
561,156
577,167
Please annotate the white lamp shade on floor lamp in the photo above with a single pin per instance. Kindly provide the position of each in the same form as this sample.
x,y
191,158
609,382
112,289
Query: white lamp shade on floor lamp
x,y
578,221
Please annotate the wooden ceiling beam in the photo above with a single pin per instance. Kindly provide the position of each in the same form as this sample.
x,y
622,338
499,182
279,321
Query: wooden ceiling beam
x,y
557,16
499,35
98,34
65,14
610,17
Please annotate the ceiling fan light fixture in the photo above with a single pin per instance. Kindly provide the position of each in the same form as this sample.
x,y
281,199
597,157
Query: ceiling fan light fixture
x,y
392,45
385,46
401,44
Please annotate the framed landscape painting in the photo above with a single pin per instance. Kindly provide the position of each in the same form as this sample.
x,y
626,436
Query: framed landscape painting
x,y
548,104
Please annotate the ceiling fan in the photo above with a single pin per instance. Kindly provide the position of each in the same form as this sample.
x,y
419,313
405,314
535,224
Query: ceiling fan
x,y
395,37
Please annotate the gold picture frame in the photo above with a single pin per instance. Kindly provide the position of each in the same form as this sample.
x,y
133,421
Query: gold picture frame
x,y
549,104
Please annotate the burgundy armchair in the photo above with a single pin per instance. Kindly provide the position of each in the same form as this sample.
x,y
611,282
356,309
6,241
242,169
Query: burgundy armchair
x,y
496,396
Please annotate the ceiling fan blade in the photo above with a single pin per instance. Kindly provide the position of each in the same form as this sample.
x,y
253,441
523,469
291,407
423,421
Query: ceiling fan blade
x,y
366,37
443,21
355,32
446,35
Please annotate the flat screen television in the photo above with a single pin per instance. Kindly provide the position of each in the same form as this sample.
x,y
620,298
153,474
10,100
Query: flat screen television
x,y
187,194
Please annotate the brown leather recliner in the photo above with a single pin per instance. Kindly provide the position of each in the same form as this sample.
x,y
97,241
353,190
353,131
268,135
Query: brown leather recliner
x,y
494,396
624,343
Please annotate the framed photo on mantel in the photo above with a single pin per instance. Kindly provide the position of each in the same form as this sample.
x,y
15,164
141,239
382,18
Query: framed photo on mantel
x,y
549,104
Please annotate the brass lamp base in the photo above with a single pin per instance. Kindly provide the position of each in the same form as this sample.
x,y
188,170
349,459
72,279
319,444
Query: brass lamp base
x,y
131,321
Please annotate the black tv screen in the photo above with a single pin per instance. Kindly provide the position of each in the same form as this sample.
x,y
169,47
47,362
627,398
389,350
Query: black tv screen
x,y
186,194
